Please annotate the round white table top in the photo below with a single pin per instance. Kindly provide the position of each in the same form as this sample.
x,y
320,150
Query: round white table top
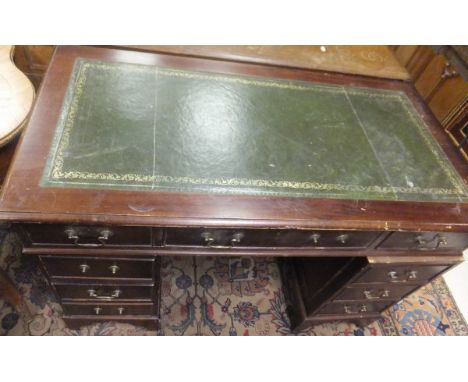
x,y
16,96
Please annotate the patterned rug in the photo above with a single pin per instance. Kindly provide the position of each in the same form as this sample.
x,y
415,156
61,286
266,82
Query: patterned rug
x,y
220,296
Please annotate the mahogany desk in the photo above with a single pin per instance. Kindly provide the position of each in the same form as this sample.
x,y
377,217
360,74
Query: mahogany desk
x,y
131,156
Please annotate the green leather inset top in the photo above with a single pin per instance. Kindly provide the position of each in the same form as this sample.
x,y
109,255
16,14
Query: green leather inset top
x,y
142,127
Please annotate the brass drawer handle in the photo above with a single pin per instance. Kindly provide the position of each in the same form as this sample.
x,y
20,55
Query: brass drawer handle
x,y
210,240
84,268
114,269
342,238
236,238
368,294
362,309
410,275
102,238
315,237
115,294
437,239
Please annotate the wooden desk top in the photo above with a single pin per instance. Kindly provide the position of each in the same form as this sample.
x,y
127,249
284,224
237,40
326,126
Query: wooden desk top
x,y
98,170
366,60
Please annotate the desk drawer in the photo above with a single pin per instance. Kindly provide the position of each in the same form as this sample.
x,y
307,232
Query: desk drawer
x,y
98,292
89,267
108,309
412,274
90,236
228,238
426,241
374,293
353,308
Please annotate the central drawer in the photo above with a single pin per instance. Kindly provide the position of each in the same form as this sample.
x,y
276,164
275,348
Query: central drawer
x,y
89,267
230,238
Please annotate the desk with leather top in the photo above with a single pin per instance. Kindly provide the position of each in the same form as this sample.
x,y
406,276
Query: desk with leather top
x,y
131,156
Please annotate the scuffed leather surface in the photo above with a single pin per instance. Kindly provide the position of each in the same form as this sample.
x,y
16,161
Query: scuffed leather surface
x,y
146,128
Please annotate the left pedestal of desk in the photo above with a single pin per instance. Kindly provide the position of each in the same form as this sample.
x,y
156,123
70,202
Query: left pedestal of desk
x,y
97,283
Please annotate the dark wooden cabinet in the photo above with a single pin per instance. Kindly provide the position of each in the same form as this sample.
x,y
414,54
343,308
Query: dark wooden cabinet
x,y
355,289
123,289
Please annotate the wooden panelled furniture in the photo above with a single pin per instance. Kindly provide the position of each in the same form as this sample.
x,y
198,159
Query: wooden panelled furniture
x,y
130,156
440,75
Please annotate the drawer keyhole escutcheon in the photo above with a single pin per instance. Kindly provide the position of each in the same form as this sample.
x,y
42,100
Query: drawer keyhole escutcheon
x,y
114,269
97,310
120,310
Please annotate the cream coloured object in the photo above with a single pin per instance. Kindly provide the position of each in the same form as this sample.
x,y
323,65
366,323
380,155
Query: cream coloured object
x,y
16,96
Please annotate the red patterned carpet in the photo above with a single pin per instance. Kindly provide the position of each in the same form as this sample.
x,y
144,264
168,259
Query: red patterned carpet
x,y
204,296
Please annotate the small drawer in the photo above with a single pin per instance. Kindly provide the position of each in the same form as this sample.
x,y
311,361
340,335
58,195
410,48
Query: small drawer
x,y
319,239
108,309
91,236
104,292
229,238
374,293
426,241
412,274
221,238
353,308
89,267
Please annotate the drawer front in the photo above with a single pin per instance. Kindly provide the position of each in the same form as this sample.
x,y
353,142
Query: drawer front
x,y
374,293
104,292
103,309
426,241
228,238
413,274
352,308
90,236
90,267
